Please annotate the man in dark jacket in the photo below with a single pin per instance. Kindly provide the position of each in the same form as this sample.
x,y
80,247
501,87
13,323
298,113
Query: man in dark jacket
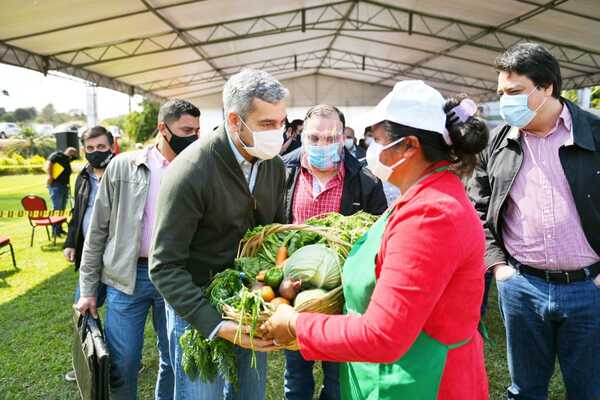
x,y
350,143
229,182
323,177
537,192
98,145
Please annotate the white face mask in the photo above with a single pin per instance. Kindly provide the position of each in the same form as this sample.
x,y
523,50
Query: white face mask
x,y
267,144
368,140
349,143
378,168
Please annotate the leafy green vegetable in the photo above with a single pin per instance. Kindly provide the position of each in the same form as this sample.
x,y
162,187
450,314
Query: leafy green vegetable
x,y
315,265
251,266
205,358
224,285
347,228
250,304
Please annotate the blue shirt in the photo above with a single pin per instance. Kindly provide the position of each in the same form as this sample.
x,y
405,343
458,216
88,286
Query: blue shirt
x,y
250,170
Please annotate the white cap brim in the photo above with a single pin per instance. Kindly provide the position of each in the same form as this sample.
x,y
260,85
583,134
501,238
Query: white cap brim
x,y
372,117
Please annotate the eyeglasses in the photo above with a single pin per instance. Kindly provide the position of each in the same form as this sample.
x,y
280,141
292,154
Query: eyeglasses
x,y
315,138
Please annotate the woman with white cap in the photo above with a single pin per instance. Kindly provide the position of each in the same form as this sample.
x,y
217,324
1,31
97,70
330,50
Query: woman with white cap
x,y
413,284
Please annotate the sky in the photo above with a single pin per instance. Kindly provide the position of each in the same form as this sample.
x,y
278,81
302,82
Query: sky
x,y
29,88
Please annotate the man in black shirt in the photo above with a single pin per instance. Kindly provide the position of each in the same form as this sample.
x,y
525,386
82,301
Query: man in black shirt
x,y
58,170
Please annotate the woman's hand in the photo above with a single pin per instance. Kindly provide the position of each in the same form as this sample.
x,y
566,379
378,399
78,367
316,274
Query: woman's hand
x,y
281,327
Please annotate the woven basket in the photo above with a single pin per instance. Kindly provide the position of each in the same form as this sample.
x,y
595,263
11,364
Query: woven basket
x,y
249,247
331,303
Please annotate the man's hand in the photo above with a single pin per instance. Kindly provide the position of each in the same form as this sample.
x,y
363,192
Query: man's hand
x,y
503,272
229,329
87,304
69,254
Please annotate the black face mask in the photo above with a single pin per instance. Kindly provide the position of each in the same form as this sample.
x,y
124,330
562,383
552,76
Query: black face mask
x,y
99,159
179,143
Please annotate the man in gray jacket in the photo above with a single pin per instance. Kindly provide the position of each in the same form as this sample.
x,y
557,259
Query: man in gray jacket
x,y
117,247
225,184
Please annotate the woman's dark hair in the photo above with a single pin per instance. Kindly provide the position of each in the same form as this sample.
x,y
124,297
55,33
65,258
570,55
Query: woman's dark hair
x,y
533,61
97,131
468,139
295,124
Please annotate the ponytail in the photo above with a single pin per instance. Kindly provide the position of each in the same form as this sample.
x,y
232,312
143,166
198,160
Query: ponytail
x,y
469,134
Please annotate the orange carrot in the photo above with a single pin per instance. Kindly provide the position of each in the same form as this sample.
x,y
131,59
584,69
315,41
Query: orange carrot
x,y
282,255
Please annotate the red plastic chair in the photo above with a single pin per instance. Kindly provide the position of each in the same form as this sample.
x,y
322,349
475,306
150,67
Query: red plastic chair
x,y
4,241
36,203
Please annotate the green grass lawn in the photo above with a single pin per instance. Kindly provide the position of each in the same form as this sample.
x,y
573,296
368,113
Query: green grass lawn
x,y
35,312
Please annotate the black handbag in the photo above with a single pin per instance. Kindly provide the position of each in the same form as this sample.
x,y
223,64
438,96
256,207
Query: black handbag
x,y
91,360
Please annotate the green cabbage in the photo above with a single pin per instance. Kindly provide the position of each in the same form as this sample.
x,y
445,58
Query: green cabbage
x,y
307,295
316,265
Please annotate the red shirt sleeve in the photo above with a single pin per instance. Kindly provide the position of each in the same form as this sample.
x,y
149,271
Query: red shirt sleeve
x,y
419,253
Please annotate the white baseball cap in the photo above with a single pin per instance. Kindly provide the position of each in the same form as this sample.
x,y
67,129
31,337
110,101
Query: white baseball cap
x,y
412,103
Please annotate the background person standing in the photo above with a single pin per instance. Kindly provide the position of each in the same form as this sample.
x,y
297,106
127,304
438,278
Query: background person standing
x,y
324,177
537,192
58,177
117,247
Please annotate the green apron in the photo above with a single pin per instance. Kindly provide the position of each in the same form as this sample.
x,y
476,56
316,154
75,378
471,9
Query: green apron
x,y
415,376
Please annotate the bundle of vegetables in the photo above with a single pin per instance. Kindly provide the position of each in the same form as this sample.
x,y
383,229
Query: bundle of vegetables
x,y
304,261
205,358
277,264
349,228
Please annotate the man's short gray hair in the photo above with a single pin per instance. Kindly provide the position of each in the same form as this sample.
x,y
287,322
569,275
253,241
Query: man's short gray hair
x,y
248,84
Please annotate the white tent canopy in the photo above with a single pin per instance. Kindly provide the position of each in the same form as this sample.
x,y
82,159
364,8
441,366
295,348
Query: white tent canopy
x,y
344,52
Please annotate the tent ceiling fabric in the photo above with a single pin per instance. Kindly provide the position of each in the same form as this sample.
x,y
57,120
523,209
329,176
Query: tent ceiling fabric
x,y
188,48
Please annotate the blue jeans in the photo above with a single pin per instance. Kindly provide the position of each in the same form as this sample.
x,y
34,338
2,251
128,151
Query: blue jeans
x,y
299,382
544,321
489,276
252,382
124,329
59,193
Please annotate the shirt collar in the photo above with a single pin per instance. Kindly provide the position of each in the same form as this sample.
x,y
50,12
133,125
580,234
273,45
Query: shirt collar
x,y
238,156
156,158
564,118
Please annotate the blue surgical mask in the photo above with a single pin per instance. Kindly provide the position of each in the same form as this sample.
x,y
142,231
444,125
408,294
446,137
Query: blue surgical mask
x,y
323,157
515,111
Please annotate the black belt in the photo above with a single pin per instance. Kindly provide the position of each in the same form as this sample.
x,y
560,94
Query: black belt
x,y
561,277
142,260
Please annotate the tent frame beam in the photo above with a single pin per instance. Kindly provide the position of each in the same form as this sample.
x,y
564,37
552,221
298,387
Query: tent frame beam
x,y
339,19
185,37
472,38
566,53
22,58
331,55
